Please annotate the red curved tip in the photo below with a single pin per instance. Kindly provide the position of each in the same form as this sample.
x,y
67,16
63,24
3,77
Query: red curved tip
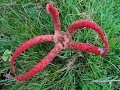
x,y
47,8
51,9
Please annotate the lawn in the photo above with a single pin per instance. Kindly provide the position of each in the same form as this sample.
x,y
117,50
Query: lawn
x,y
21,20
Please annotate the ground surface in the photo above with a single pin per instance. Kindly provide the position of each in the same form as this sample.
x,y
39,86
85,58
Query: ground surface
x,y
21,20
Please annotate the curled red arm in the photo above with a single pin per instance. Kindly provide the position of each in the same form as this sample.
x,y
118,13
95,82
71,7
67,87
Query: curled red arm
x,y
89,24
55,16
43,63
84,47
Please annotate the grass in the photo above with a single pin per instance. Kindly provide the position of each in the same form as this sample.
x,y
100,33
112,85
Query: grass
x,y
21,20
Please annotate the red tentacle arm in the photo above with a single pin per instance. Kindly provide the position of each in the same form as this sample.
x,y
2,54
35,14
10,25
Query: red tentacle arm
x,y
43,63
55,16
89,24
84,47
